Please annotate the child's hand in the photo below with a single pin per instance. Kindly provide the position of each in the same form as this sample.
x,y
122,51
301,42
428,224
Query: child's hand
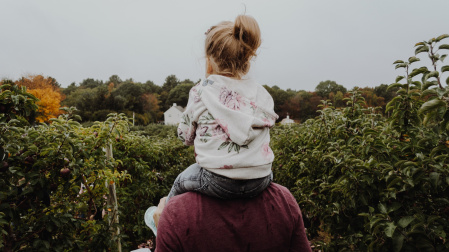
x,y
158,212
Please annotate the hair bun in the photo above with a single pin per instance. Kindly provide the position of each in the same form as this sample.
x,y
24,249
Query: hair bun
x,y
247,31
231,45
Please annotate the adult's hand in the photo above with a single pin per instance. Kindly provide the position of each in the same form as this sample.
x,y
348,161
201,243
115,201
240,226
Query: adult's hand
x,y
158,212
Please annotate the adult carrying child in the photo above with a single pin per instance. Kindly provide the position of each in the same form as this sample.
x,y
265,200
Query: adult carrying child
x,y
227,119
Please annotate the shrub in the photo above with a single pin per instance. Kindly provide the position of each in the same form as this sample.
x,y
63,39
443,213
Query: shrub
x,y
367,184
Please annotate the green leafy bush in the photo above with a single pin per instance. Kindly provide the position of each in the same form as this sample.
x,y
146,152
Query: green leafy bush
x,y
370,184
156,130
362,185
16,103
152,164
43,169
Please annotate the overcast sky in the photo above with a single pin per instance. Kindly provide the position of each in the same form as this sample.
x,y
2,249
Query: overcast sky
x,y
353,42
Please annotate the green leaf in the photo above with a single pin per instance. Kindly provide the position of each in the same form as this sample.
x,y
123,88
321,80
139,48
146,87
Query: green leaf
x,y
373,222
237,148
444,46
434,74
445,68
402,91
223,145
443,57
436,150
389,230
394,206
413,59
421,49
398,62
417,85
431,105
429,91
77,117
390,104
405,221
402,65
434,178
417,71
428,84
394,182
395,85
232,145
419,44
382,208
441,37
441,92
398,240
399,78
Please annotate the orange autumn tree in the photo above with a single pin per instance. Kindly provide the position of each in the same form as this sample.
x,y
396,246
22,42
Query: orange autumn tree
x,y
46,89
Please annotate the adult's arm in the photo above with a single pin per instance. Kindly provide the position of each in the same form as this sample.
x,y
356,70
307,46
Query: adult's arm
x,y
166,239
299,241
158,212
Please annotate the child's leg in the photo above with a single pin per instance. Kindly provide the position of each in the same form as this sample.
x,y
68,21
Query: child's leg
x,y
222,187
188,180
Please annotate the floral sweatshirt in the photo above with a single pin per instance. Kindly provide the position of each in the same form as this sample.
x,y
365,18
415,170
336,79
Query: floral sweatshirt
x,y
228,121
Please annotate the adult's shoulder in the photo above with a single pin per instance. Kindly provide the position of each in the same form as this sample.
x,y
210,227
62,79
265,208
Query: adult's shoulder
x,y
284,198
282,190
279,187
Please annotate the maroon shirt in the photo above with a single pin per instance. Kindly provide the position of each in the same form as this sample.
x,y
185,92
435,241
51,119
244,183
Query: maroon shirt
x,y
271,221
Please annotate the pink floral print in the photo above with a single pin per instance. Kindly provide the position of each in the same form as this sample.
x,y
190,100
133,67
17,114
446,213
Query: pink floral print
x,y
197,97
221,130
266,150
196,94
190,138
203,130
231,99
253,105
267,123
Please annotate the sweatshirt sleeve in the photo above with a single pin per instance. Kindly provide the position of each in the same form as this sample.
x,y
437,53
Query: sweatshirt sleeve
x,y
189,120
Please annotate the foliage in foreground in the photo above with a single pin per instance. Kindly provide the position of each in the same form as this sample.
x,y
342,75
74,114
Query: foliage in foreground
x,y
53,177
370,184
365,187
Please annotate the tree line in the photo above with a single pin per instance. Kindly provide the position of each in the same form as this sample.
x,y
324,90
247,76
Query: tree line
x,y
95,99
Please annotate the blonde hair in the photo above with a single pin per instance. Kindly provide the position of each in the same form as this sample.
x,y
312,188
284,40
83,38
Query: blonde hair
x,y
230,46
